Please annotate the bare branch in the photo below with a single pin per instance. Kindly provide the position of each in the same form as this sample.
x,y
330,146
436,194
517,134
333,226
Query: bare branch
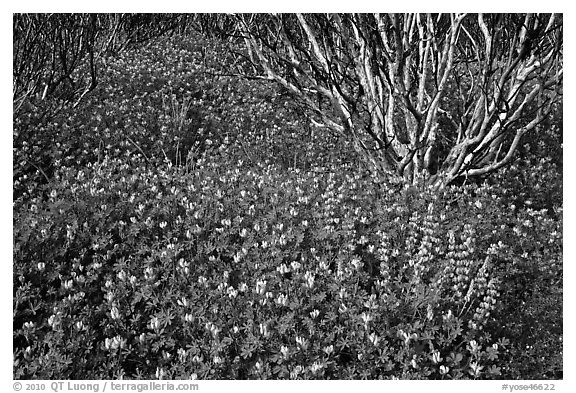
x,y
403,86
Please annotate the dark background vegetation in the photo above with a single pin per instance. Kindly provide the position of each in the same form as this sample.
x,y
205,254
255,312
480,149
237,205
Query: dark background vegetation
x,y
162,207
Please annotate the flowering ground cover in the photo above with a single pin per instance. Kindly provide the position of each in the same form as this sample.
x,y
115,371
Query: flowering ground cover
x,y
179,224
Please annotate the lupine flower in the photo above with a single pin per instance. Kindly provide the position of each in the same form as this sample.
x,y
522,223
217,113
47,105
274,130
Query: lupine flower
x,y
181,354
329,349
407,337
226,222
283,269
115,313
214,330
231,292
444,369
260,287
316,366
429,312
237,257
121,275
282,299
314,313
374,339
302,342
324,265
264,330
357,263
53,321
148,273
473,346
154,323
436,357
114,343
160,373
284,351
371,302
295,372
475,369
309,277
366,317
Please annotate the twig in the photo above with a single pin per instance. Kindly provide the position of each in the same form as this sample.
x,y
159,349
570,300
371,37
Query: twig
x,y
138,147
40,170
246,152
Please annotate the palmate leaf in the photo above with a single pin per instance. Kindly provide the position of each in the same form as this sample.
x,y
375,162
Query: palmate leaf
x,y
280,370
247,350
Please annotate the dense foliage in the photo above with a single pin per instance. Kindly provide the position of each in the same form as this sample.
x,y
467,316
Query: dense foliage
x,y
178,224
59,55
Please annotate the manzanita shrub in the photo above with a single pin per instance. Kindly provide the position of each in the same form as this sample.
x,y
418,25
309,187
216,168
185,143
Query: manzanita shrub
x,y
213,236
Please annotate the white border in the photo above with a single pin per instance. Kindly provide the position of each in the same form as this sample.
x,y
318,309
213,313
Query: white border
x,y
304,6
